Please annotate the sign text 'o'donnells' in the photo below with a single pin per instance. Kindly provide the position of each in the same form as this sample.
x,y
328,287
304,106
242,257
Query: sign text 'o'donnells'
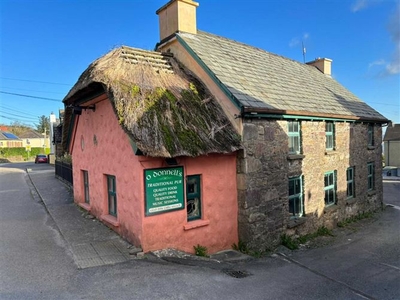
x,y
163,190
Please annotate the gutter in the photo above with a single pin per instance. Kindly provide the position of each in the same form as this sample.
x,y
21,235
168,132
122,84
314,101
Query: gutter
x,y
267,113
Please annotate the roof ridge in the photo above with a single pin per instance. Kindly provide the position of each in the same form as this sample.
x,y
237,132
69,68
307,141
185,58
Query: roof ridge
x,y
149,52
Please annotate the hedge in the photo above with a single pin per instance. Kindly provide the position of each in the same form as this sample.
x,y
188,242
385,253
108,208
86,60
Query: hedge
x,y
21,151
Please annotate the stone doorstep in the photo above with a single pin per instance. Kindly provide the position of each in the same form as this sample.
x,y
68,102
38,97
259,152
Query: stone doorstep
x,y
96,254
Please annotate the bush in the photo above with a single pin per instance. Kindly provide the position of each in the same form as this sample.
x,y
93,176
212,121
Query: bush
x,y
66,158
21,151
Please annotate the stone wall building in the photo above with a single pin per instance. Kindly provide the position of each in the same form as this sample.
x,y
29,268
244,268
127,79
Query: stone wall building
x,y
311,149
266,171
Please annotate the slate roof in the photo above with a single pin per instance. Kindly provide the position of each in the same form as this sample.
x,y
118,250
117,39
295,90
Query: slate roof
x,y
257,79
31,134
163,107
392,133
8,136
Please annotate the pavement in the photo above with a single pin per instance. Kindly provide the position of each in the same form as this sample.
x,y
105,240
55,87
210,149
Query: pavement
x,y
93,244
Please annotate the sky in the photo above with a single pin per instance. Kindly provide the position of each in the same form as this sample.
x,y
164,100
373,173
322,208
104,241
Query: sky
x,y
45,45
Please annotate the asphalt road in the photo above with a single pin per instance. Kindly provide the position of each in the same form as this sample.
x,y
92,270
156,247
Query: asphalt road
x,y
35,263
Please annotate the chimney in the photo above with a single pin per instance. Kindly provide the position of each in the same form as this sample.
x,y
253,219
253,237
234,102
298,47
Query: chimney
x,y
322,64
177,15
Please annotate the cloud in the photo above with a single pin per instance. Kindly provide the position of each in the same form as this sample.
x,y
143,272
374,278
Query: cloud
x,y
393,67
378,62
359,5
390,66
296,41
363,4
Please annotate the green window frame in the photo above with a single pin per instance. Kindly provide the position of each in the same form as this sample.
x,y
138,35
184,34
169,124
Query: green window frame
x,y
296,206
330,135
371,140
294,129
371,176
85,175
112,195
350,183
193,197
330,188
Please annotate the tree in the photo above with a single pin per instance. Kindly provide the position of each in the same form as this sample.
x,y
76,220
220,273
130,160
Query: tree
x,y
44,125
18,128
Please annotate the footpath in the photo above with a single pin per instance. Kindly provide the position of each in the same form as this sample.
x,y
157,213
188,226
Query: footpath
x,y
90,242
93,244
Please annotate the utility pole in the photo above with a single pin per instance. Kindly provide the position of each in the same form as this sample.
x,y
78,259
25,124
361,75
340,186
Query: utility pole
x,y
52,121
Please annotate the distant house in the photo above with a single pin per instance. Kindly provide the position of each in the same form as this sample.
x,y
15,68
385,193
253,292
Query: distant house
x,y
57,134
391,146
9,140
309,154
34,139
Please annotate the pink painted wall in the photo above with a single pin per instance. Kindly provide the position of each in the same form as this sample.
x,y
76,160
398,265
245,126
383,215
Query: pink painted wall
x,y
218,227
107,150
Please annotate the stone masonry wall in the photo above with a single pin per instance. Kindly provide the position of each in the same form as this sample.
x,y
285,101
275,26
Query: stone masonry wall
x,y
264,167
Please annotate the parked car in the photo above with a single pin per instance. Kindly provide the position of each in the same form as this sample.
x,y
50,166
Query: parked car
x,y
41,158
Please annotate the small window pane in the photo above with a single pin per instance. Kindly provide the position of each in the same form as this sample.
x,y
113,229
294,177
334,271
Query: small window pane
x,y
291,187
192,186
193,197
295,197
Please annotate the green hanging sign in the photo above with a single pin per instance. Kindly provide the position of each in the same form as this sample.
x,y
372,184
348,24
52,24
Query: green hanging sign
x,y
164,190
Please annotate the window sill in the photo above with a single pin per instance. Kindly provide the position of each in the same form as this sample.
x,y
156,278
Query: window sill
x,y
295,156
351,201
371,147
330,152
109,219
196,224
85,206
294,222
331,208
371,192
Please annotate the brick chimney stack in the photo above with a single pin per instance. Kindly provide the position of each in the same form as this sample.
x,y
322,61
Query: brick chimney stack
x,y
177,15
322,64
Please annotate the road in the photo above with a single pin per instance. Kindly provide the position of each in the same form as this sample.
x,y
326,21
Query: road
x,y
35,262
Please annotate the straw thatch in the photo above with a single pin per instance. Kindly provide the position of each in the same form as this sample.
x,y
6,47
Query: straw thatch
x,y
166,111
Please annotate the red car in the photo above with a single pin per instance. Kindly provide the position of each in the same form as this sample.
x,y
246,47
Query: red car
x,y
41,158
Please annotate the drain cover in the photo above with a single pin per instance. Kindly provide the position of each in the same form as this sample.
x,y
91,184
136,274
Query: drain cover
x,y
236,273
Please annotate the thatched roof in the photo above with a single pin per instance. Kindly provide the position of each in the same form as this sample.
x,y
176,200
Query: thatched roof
x,y
165,110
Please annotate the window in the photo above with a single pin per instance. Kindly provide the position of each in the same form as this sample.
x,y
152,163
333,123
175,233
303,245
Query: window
x,y
112,195
350,182
86,185
371,141
193,197
295,196
371,176
330,188
294,137
330,135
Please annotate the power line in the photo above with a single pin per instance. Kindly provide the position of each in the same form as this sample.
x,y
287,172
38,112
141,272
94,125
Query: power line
x,y
19,116
30,96
4,87
18,111
27,80
14,119
387,104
